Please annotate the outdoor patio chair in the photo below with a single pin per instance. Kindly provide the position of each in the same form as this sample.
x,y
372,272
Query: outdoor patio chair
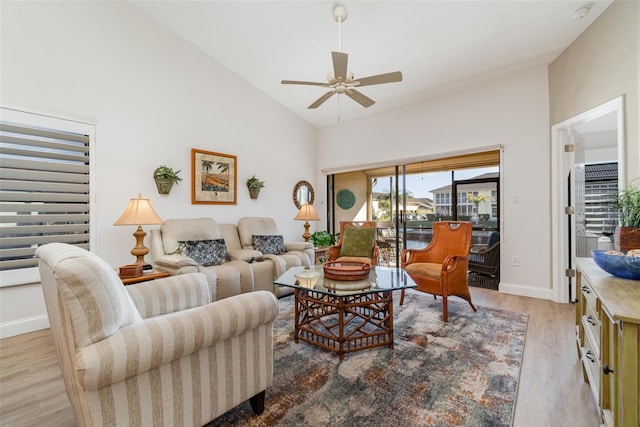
x,y
386,242
485,259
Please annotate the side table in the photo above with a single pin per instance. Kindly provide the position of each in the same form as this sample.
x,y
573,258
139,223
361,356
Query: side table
x,y
146,275
321,253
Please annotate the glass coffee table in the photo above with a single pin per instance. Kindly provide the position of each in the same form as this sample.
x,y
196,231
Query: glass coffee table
x,y
344,316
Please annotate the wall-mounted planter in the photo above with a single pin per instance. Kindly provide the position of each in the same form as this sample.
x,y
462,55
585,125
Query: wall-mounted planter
x,y
254,185
165,177
164,185
254,193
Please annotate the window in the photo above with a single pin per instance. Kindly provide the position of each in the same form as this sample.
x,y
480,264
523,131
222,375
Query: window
x,y
45,179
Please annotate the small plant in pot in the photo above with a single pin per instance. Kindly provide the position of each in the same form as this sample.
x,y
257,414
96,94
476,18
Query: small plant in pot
x,y
627,234
322,239
254,185
165,177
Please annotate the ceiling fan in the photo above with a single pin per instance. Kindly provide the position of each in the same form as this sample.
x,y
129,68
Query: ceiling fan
x,y
341,81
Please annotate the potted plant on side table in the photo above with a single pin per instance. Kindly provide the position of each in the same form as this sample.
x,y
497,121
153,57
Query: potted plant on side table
x,y
627,234
321,241
165,177
254,185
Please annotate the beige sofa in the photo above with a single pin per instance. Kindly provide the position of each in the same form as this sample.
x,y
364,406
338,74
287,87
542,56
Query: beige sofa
x,y
243,269
157,353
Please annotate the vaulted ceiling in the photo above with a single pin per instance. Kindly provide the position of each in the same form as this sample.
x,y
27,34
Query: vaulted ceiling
x,y
438,45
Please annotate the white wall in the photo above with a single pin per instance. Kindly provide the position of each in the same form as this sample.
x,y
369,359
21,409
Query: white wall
x,y
511,110
600,65
152,97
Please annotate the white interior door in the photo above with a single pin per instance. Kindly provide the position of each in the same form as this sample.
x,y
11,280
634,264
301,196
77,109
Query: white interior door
x,y
578,197
570,234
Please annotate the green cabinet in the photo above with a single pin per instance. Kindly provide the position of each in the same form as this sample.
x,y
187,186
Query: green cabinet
x,y
608,339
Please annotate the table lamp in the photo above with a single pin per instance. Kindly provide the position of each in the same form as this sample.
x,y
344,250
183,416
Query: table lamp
x,y
139,212
307,213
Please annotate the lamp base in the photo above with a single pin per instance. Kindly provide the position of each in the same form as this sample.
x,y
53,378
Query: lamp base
x,y
306,236
140,250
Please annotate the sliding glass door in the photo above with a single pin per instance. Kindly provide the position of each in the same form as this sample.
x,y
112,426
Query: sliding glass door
x,y
406,199
421,199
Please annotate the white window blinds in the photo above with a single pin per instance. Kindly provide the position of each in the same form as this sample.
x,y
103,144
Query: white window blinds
x,y
44,191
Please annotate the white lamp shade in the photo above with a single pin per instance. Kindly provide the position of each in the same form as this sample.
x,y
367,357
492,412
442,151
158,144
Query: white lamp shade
x,y
307,213
139,212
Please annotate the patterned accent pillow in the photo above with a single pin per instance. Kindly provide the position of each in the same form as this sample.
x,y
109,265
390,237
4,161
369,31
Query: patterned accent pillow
x,y
205,252
358,241
269,244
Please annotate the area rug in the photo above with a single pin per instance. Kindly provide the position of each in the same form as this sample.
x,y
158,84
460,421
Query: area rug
x,y
461,373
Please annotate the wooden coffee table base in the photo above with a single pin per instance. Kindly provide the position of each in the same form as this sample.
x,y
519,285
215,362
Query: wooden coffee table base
x,y
344,323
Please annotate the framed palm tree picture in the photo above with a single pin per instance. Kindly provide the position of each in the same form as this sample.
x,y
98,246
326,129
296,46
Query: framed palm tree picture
x,y
214,178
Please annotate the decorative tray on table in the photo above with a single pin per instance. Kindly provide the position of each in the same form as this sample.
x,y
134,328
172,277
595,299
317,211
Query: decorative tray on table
x,y
346,270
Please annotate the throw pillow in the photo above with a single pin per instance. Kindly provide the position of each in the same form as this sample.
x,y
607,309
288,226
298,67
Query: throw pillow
x,y
358,241
205,252
269,244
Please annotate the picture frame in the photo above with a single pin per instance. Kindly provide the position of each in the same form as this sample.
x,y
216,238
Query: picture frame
x,y
214,178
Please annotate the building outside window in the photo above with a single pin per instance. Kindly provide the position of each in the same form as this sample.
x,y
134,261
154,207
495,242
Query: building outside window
x,y
477,201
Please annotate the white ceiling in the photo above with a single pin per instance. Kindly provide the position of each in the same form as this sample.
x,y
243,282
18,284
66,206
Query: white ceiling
x,y
438,45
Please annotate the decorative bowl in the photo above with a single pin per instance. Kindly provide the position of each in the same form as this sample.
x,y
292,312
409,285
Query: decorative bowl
x,y
624,267
347,270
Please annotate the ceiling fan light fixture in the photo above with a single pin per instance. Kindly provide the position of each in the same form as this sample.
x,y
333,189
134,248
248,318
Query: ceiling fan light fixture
x,y
331,78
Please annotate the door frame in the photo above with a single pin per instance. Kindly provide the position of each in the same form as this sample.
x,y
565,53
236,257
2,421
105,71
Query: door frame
x,y
561,165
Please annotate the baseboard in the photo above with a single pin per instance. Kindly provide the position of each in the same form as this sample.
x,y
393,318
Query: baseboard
x,y
23,326
526,291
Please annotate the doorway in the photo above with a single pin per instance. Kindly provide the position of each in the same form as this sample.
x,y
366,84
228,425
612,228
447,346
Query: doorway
x,y
589,141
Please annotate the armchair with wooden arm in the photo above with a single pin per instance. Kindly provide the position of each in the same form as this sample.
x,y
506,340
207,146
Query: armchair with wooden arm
x,y
441,267
357,243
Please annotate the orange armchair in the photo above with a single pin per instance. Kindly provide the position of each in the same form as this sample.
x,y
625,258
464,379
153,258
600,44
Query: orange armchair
x,y
366,251
441,267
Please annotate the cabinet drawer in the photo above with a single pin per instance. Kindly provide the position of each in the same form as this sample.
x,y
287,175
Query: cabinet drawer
x,y
589,296
590,319
592,367
608,328
592,326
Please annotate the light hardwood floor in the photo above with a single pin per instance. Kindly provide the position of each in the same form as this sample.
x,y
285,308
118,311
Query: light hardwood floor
x,y
551,392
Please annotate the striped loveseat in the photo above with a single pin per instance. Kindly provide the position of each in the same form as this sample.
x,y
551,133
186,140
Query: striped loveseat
x,y
157,353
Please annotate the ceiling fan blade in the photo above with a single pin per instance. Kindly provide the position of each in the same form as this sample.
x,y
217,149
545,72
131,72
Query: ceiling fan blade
x,y
361,99
339,65
296,82
396,76
322,99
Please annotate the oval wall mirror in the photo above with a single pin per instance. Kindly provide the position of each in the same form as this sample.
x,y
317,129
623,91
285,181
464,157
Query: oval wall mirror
x,y
303,194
